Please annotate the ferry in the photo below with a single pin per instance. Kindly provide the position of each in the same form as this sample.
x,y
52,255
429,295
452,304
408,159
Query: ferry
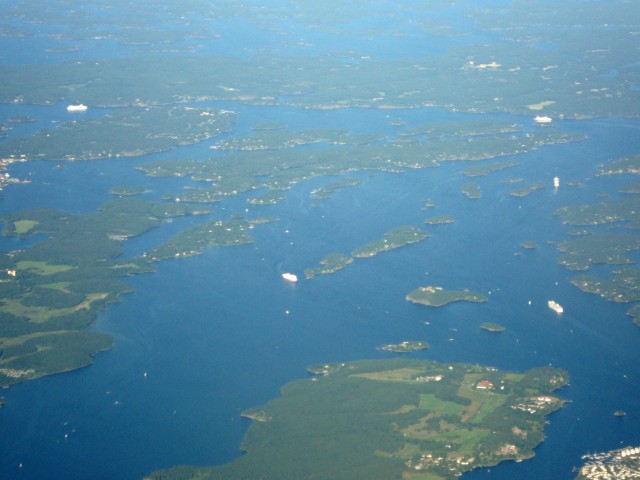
x,y
555,306
543,119
290,277
77,108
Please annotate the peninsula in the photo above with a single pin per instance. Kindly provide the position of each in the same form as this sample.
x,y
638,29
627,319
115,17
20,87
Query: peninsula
x,y
407,418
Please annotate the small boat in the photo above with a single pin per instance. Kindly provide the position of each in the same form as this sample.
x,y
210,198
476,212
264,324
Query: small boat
x,y
290,277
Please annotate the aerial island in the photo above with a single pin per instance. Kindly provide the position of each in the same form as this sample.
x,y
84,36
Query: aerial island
x,y
405,347
439,220
394,238
394,418
528,190
471,190
329,264
194,195
433,296
126,190
492,327
328,190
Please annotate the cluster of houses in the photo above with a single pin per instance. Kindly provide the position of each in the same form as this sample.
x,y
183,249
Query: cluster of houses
x,y
533,404
428,460
17,373
621,464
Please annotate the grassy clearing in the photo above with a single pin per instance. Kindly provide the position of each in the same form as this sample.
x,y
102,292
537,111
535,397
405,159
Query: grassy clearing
x,y
42,314
399,375
7,342
540,105
23,226
60,286
433,404
41,268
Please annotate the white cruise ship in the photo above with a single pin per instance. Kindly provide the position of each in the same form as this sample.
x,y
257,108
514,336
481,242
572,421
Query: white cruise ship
x,y
555,306
290,277
77,108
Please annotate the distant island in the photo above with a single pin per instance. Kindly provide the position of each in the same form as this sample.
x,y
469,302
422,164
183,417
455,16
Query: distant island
x,y
194,195
528,190
439,220
328,190
408,419
471,190
270,198
126,190
394,238
405,347
329,264
492,327
437,296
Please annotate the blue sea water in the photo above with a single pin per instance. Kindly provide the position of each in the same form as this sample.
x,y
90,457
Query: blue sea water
x,y
206,337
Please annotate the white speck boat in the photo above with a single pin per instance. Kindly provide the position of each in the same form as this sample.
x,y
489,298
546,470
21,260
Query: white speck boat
x,y
290,277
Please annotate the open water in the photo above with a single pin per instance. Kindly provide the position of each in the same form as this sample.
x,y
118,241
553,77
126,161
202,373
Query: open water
x,y
206,337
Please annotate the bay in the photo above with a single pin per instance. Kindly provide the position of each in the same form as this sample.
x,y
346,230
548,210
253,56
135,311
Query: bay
x,y
204,338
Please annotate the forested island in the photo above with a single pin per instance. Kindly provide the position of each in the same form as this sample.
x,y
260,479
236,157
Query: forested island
x,y
395,238
433,296
405,347
382,419
528,190
492,327
329,264
328,190
439,220
472,190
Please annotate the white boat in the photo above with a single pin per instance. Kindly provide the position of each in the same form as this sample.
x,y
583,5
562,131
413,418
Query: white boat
x,y
543,119
77,108
290,277
555,306
556,182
